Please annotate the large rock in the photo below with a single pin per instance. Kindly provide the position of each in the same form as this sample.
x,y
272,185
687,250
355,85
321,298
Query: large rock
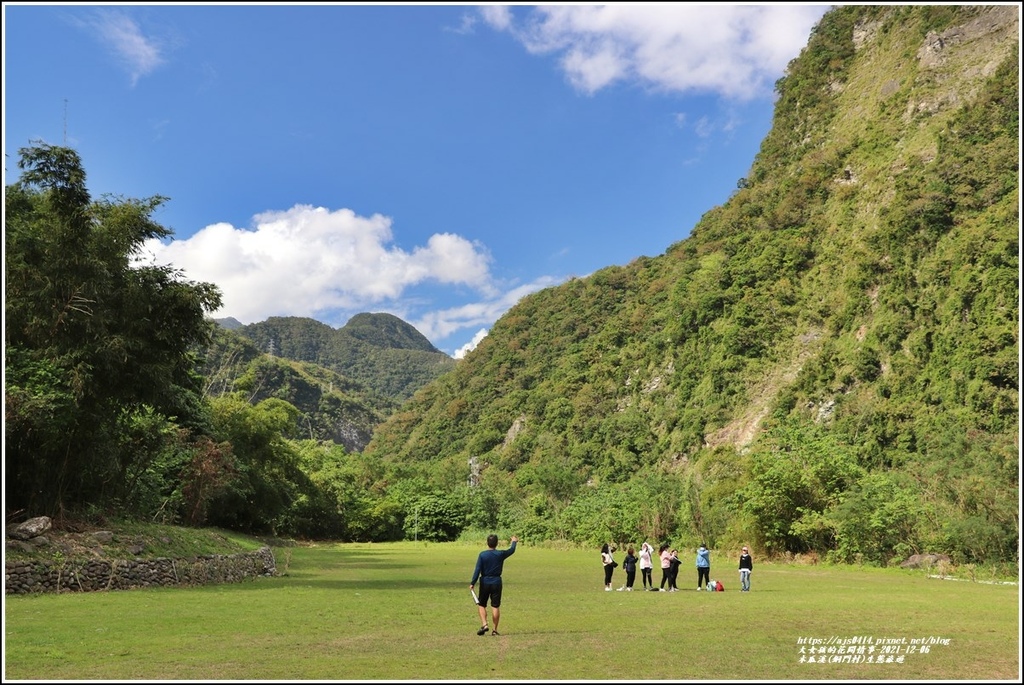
x,y
29,529
925,560
104,537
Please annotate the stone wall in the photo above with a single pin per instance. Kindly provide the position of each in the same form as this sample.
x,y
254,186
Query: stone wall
x,y
24,577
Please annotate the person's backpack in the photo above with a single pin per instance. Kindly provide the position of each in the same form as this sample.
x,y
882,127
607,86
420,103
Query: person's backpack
x,y
719,587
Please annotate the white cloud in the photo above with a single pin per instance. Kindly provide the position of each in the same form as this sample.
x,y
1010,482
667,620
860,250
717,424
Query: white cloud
x,y
467,25
471,345
441,323
735,50
497,16
310,261
703,127
139,54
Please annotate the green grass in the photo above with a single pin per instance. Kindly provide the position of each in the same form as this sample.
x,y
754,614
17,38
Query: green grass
x,y
154,540
402,611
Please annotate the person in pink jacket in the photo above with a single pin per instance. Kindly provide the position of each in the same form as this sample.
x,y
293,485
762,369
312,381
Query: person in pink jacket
x,y
666,565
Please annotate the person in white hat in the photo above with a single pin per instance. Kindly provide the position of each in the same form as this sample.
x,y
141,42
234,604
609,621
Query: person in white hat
x,y
746,566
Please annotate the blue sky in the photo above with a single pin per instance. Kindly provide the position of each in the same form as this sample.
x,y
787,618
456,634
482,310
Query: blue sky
x,y
437,162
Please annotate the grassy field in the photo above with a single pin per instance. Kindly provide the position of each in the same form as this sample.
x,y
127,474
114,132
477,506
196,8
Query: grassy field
x,y
402,611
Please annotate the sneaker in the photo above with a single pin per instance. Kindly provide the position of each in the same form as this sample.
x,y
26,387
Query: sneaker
x,y
607,589
629,589
483,629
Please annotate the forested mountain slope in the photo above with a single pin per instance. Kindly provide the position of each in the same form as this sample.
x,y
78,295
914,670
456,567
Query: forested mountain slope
x,y
828,363
331,407
344,382
380,351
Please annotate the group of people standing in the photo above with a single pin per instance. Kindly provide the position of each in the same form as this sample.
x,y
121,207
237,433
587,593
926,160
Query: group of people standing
x,y
670,563
629,564
490,563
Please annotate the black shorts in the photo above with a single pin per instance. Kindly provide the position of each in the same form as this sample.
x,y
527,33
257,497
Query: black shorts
x,y
490,592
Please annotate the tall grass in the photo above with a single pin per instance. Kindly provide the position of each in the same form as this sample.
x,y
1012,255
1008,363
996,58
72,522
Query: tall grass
x,y
403,611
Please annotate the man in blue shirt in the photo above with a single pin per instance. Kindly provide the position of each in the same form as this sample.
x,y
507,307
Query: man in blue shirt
x,y
488,572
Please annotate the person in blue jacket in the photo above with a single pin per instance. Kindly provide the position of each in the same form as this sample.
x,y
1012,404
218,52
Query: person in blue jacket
x,y
629,565
703,566
488,569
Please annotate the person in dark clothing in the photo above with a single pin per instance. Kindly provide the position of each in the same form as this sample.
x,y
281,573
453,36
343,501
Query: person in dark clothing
x,y
608,562
629,565
488,569
746,566
673,571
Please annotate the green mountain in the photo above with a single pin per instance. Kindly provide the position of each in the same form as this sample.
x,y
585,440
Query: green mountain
x,y
344,382
379,351
828,364
229,323
332,407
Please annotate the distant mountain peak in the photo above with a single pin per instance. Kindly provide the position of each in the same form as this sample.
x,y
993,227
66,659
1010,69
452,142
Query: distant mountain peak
x,y
387,331
229,323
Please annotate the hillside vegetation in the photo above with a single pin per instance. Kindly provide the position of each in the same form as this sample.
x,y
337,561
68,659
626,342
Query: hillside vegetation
x,y
379,351
124,400
330,406
827,364
343,382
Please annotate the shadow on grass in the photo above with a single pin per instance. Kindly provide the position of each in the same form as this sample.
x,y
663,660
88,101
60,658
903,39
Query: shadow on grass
x,y
319,559
314,580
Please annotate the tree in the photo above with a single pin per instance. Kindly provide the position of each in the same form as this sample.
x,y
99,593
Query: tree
x,y
268,478
91,338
